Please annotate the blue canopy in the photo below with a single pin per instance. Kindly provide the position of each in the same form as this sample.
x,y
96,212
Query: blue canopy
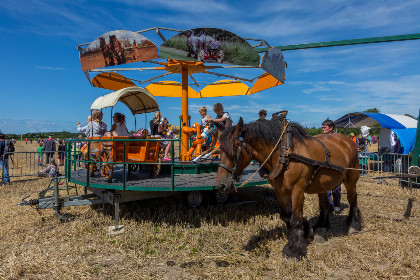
x,y
407,138
372,119
385,121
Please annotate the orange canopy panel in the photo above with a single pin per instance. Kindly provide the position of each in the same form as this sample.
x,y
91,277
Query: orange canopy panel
x,y
264,82
112,81
170,89
225,88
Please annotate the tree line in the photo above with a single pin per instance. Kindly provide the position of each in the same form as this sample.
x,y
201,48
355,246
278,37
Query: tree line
x,y
43,135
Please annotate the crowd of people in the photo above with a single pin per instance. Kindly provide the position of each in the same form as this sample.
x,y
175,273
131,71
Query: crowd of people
x,y
158,127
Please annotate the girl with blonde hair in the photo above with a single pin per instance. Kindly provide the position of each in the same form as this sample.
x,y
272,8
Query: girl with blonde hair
x,y
119,128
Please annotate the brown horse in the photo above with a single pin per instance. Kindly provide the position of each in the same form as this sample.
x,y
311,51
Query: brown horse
x,y
299,164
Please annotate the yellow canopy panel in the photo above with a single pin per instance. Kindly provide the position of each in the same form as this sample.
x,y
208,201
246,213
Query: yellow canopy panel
x,y
225,88
112,81
170,89
264,82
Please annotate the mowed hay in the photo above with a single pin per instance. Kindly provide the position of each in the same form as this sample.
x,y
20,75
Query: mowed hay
x,y
164,239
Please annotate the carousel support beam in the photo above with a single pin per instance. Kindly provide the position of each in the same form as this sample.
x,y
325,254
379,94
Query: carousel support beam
x,y
371,40
185,142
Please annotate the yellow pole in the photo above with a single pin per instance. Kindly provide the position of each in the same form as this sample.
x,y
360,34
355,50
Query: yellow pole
x,y
184,141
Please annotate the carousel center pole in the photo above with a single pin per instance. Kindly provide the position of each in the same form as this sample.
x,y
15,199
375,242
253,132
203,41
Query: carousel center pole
x,y
185,138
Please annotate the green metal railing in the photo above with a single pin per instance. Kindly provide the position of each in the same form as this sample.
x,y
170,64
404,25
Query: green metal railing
x,y
73,160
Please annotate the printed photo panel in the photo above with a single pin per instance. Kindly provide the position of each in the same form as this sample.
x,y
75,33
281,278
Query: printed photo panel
x,y
209,45
116,48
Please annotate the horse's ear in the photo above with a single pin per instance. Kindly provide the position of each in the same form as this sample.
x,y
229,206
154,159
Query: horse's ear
x,y
238,127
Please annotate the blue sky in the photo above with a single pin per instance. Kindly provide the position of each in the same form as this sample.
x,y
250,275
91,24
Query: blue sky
x,y
44,89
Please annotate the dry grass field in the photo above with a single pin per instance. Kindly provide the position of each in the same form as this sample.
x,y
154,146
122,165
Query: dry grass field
x,y
243,239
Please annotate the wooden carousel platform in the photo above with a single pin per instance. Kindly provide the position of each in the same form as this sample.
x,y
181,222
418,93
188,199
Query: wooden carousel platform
x,y
186,176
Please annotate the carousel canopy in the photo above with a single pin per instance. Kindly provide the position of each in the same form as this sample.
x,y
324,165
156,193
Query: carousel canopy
x,y
138,100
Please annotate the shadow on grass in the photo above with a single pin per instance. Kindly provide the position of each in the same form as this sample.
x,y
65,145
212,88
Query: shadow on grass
x,y
241,207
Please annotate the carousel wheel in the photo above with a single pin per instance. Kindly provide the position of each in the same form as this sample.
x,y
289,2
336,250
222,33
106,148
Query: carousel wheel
x,y
106,168
194,198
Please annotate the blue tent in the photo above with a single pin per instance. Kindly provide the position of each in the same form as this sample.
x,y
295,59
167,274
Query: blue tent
x,y
403,126
407,138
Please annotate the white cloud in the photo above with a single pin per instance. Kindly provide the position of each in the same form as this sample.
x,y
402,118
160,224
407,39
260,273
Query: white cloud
x,y
49,67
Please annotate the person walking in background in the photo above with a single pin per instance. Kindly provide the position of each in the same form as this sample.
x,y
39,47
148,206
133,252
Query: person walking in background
x,y
49,148
397,147
61,149
40,149
4,160
334,196
353,138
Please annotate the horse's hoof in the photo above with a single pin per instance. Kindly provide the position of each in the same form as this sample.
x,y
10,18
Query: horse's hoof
x,y
353,230
292,252
321,235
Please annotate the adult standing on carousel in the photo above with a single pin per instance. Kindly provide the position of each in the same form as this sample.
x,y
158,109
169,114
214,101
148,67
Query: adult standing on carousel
x,y
334,196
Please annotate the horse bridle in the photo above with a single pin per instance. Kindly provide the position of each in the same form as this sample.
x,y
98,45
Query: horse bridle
x,y
232,171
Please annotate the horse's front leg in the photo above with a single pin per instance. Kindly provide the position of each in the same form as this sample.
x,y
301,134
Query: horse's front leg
x,y
296,246
283,200
323,224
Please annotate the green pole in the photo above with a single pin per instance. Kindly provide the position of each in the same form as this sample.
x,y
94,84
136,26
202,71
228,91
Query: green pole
x,y
349,42
416,150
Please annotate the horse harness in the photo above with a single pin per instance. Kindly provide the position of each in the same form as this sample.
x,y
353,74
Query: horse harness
x,y
287,154
232,171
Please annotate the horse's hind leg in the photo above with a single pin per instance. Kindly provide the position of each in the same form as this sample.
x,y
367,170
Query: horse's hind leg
x,y
323,224
354,220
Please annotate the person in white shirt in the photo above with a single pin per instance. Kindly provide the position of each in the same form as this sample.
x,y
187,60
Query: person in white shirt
x,y
118,128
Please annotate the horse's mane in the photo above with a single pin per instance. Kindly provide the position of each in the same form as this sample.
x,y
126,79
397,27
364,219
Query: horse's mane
x,y
262,131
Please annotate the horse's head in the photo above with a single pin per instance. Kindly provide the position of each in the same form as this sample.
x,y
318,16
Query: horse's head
x,y
234,157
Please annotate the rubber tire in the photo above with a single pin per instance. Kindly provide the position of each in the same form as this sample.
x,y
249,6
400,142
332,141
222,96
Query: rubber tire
x,y
194,199
220,198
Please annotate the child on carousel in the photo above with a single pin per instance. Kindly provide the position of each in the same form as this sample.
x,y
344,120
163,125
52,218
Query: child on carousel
x,y
222,118
207,126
